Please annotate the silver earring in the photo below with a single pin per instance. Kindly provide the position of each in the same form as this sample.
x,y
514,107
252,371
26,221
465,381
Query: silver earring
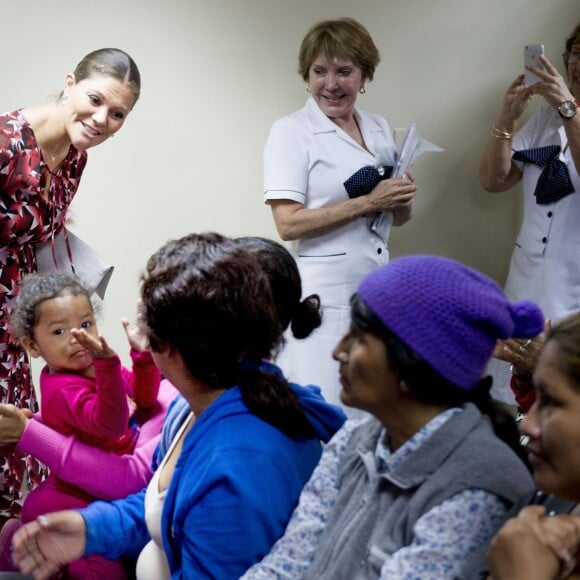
x,y
362,90
308,89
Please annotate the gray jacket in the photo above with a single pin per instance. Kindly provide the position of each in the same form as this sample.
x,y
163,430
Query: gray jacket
x,y
375,513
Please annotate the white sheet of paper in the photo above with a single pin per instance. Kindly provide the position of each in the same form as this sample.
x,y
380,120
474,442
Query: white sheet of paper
x,y
412,147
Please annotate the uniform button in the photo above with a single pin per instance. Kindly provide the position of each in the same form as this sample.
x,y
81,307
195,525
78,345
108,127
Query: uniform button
x,y
379,251
544,240
550,214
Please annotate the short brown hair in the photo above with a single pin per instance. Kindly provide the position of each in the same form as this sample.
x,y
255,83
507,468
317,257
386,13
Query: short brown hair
x,y
344,38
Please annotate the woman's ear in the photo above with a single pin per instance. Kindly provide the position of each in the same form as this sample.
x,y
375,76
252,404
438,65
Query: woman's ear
x,y
69,82
29,344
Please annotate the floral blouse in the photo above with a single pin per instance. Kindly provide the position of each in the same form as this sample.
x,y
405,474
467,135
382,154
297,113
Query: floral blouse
x,y
28,215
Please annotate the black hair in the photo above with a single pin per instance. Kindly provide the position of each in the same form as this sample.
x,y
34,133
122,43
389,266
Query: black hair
x,y
303,316
209,299
33,291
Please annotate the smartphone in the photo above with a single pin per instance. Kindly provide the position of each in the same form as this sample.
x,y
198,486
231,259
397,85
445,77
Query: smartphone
x,y
532,54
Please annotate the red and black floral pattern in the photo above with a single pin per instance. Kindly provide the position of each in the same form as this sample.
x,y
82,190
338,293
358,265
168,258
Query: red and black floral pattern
x,y
28,216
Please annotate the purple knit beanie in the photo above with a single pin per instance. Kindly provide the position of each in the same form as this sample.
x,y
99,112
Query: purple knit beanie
x,y
449,314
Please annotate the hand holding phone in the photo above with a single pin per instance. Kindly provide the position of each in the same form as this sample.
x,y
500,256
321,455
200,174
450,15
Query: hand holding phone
x,y
532,53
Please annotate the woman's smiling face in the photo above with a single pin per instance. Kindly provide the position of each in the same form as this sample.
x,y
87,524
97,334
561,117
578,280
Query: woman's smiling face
x,y
335,84
95,108
553,426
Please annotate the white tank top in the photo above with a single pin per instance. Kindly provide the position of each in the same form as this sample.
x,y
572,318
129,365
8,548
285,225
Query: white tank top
x,y
152,563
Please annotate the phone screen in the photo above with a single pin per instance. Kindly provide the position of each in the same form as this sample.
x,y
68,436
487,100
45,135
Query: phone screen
x,y
532,54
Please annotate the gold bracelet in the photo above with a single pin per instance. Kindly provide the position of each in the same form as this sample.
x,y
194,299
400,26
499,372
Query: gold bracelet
x,y
499,131
499,134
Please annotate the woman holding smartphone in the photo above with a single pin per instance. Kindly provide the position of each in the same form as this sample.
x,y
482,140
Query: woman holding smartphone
x,y
545,155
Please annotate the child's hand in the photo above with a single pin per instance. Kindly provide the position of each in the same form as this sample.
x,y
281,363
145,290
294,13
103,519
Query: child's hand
x,y
96,346
135,335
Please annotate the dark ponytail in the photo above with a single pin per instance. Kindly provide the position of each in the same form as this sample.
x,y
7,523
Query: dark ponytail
x,y
306,317
271,398
303,316
210,299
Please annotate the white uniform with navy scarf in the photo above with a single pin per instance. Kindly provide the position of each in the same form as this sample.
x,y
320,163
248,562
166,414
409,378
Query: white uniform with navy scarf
x,y
545,264
307,158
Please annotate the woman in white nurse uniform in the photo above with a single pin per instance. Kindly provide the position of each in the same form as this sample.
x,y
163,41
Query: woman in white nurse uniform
x,y
545,155
326,171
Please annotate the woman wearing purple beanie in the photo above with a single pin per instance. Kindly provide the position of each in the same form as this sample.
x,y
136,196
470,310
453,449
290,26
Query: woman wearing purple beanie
x,y
413,490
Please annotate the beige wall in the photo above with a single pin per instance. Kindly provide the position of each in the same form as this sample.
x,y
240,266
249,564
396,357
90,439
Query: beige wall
x,y
216,73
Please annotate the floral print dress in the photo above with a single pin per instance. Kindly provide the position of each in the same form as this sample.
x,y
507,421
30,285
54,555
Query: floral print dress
x,y
28,215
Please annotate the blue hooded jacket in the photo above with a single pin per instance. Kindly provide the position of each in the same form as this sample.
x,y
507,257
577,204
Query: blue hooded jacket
x,y
232,492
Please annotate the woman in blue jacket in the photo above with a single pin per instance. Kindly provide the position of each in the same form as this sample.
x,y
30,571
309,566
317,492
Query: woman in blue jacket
x,y
230,479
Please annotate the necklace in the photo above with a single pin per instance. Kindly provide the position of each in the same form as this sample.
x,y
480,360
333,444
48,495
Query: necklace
x,y
45,147
50,152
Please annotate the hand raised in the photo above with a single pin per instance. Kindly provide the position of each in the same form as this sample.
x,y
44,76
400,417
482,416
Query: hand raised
x,y
552,86
135,332
520,352
514,103
97,346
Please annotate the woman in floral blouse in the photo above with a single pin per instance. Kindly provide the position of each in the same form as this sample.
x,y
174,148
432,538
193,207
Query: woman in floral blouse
x,y
42,157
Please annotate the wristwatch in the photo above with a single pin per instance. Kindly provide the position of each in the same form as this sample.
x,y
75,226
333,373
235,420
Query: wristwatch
x,y
567,109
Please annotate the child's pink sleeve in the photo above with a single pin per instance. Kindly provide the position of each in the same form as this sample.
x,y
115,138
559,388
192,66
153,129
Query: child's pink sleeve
x,y
95,408
102,474
144,379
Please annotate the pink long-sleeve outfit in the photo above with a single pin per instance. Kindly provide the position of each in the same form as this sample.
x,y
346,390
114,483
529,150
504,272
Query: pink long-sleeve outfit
x,y
102,474
106,412
98,412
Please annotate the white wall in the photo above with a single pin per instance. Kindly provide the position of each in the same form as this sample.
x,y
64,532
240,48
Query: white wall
x,y
217,73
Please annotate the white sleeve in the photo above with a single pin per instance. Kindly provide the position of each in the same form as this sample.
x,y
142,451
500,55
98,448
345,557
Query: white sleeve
x,y
286,163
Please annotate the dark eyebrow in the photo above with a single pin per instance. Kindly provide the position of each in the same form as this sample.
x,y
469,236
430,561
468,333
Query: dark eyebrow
x,y
102,97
